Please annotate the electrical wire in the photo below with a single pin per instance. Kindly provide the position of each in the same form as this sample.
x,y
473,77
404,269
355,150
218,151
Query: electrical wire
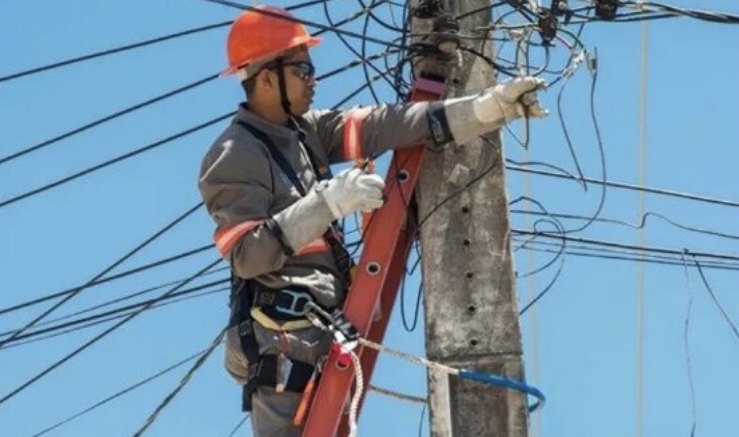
x,y
100,336
110,278
686,343
632,187
177,298
116,160
185,379
711,293
238,426
106,119
125,310
120,49
120,393
105,271
308,23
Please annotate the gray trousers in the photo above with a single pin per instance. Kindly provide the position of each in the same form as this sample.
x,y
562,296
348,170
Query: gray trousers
x,y
272,412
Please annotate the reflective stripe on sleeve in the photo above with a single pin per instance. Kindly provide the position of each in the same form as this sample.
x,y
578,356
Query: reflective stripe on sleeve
x,y
225,238
353,133
318,245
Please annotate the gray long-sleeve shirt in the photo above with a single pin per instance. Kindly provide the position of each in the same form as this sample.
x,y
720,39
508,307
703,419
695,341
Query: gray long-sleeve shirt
x,y
242,186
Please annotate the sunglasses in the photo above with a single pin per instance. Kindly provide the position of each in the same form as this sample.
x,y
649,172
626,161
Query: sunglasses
x,y
302,69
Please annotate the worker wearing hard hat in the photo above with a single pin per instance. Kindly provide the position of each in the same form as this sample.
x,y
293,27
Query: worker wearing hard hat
x,y
267,184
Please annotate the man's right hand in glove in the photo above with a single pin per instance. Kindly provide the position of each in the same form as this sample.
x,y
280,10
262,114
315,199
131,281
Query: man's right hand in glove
x,y
304,221
351,191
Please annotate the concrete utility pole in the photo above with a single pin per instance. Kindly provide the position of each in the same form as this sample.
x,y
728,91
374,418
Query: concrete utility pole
x,y
470,301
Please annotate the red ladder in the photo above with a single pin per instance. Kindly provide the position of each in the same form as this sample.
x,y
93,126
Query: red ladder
x,y
387,242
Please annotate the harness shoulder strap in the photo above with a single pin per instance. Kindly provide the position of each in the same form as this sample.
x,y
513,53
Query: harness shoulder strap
x,y
276,156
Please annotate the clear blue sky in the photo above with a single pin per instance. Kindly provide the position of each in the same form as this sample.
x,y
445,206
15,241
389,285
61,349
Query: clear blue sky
x,y
580,341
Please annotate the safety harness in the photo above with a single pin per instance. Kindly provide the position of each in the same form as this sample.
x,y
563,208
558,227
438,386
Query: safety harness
x,y
279,309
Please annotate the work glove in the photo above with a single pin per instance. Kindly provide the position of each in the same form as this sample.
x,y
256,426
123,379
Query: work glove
x,y
463,119
351,191
307,219
512,99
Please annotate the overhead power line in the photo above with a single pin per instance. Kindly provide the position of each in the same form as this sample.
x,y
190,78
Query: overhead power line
x,y
665,192
110,315
120,393
120,261
105,119
100,336
116,160
185,379
110,278
113,50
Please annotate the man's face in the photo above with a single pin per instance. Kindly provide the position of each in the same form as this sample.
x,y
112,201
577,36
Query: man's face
x,y
300,81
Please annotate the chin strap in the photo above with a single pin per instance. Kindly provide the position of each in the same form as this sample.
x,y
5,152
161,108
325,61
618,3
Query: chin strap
x,y
283,87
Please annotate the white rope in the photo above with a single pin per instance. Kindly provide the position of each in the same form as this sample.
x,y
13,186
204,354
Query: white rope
x,y
408,357
354,406
397,395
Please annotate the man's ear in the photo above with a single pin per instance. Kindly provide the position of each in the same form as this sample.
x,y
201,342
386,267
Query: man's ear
x,y
267,78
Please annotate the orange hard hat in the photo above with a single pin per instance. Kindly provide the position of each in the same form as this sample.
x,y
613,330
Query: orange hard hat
x,y
258,35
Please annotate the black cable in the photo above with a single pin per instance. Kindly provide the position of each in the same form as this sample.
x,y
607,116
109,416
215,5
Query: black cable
x,y
238,426
120,261
119,394
305,22
559,230
566,133
107,303
474,180
641,224
112,51
632,187
602,156
410,327
115,160
354,93
116,301
421,421
616,254
185,379
38,300
714,17
98,337
356,63
720,307
546,290
393,28
359,55
150,304
614,244
167,302
686,344
105,119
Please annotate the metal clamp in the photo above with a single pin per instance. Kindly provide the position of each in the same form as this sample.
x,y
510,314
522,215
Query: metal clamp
x,y
297,297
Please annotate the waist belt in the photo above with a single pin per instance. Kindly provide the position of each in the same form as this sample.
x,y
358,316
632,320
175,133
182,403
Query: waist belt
x,y
286,304
278,310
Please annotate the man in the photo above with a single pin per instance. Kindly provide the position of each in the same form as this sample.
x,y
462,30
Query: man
x,y
267,185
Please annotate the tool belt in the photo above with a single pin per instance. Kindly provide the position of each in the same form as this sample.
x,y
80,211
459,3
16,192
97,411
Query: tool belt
x,y
284,309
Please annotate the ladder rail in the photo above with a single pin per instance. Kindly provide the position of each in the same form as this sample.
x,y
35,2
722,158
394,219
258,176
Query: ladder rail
x,y
380,271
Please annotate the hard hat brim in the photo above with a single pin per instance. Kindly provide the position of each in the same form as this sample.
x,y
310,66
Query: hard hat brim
x,y
308,41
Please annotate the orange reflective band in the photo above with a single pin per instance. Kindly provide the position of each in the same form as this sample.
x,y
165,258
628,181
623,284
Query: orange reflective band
x,y
225,238
353,133
315,246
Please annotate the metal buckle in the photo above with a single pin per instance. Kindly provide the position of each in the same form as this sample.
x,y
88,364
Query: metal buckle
x,y
297,297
